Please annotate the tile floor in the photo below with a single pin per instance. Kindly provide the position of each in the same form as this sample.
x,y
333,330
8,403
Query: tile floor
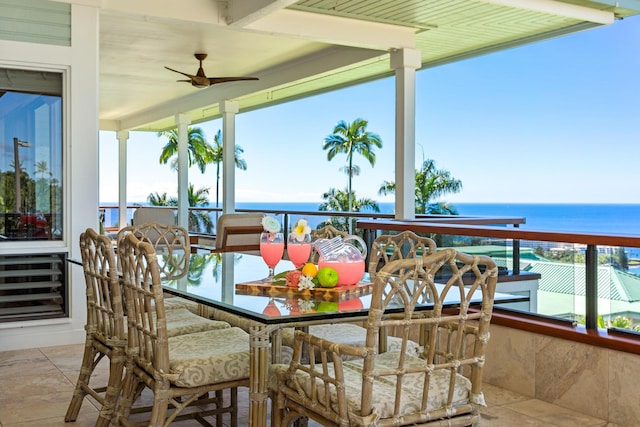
x,y
36,386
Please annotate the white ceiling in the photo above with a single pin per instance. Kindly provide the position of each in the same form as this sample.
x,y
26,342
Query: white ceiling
x,y
299,48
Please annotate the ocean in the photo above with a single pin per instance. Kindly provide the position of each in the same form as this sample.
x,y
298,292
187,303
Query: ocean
x,y
617,219
590,218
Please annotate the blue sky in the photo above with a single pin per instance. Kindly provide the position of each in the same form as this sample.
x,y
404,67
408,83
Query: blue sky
x,y
551,122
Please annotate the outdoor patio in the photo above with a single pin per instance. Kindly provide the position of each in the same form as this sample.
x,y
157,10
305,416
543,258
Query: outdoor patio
x,y
36,386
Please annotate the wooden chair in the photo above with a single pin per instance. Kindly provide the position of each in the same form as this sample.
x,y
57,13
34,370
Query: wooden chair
x,y
105,329
178,370
441,387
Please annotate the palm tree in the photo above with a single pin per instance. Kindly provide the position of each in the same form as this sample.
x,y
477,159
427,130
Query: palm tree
x,y
342,201
351,138
157,199
200,151
42,168
216,157
431,183
198,220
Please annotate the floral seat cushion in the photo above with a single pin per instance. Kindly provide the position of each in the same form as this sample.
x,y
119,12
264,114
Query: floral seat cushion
x,y
181,321
177,302
349,334
209,357
384,388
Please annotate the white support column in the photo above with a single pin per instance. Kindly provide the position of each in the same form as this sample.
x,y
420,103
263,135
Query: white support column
x,y
405,62
183,121
123,137
229,109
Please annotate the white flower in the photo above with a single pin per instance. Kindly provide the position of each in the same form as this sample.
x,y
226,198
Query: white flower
x,y
306,282
270,224
301,229
305,305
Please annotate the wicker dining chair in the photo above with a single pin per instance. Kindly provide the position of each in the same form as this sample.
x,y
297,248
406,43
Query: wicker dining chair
x,y
106,333
105,328
392,247
171,243
386,248
172,246
178,370
441,387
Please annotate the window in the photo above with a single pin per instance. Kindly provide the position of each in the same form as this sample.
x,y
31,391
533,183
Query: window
x,y
30,155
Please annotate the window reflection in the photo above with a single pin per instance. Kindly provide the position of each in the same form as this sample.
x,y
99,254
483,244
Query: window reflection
x,y
30,155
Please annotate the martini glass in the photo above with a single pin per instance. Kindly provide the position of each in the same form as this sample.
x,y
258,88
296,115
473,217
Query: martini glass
x,y
271,250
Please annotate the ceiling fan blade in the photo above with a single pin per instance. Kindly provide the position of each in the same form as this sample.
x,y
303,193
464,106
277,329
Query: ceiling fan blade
x,y
214,80
180,72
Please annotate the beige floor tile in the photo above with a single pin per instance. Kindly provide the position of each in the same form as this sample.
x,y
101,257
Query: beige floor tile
x,y
16,355
496,396
502,416
35,408
34,366
84,420
34,385
555,415
63,350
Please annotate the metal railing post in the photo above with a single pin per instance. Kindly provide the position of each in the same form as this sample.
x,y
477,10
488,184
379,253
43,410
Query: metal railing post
x,y
516,254
591,279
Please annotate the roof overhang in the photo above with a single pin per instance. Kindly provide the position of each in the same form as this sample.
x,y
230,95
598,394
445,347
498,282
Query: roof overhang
x,y
301,48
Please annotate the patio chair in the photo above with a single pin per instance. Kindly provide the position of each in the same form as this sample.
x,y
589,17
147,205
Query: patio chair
x,y
239,232
178,370
441,387
157,214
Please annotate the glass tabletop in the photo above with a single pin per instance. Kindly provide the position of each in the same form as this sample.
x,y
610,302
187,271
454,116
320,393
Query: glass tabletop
x,y
212,281
217,280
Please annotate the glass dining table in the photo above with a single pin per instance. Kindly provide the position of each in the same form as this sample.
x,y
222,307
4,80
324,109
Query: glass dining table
x,y
231,282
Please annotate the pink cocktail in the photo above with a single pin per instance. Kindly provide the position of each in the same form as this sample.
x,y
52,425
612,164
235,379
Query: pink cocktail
x,y
271,250
271,253
349,272
298,253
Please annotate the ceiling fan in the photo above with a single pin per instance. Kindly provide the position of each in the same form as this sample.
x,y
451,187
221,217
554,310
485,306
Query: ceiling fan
x,y
200,80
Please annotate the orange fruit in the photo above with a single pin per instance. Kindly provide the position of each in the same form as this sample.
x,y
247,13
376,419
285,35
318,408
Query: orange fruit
x,y
310,269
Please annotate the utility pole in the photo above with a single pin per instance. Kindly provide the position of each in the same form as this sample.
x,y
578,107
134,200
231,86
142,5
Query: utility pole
x,y
16,162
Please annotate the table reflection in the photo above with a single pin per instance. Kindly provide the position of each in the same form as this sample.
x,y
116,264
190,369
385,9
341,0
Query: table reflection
x,y
213,277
